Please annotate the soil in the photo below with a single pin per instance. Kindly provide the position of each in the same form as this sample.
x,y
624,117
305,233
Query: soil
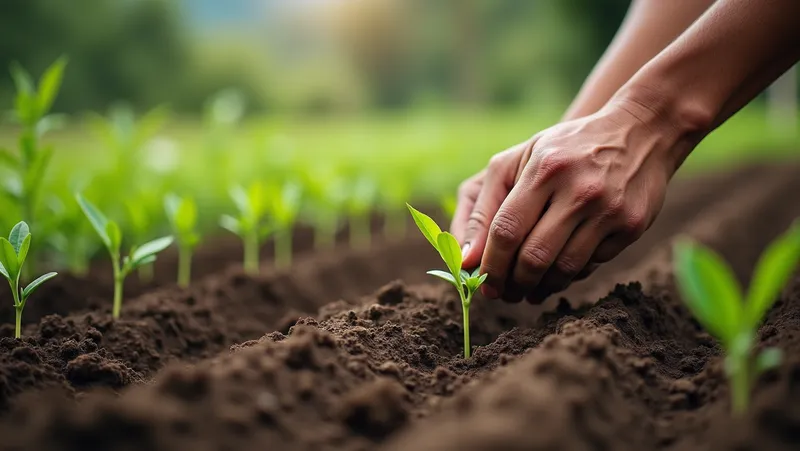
x,y
360,350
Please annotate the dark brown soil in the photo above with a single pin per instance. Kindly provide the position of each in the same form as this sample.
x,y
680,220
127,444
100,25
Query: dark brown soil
x,y
309,359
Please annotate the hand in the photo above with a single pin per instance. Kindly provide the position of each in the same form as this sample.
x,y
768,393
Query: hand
x,y
547,211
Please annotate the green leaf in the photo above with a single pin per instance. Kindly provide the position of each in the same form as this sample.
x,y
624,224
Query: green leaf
x,y
36,284
464,275
151,248
476,272
241,199
96,218
768,359
114,236
451,253
23,250
473,283
8,256
50,83
143,262
443,275
22,80
18,234
231,224
709,289
3,269
773,270
427,226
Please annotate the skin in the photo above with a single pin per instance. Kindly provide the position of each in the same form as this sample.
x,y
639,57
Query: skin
x,y
547,211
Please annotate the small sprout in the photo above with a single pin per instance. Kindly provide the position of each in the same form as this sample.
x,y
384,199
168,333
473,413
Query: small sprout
x,y
13,252
465,282
713,295
284,207
182,214
111,237
249,224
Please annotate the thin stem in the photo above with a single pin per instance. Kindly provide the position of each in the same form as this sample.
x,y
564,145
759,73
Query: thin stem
x,y
283,248
18,328
18,306
184,266
118,279
740,390
251,252
465,308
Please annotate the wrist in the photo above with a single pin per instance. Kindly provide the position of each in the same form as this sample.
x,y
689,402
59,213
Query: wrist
x,y
678,122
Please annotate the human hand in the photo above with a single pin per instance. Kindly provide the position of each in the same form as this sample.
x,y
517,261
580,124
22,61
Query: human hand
x,y
547,211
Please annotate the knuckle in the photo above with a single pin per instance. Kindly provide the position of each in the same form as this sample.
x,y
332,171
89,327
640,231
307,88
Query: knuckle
x,y
535,258
551,165
496,163
477,219
635,223
506,229
568,265
590,192
614,206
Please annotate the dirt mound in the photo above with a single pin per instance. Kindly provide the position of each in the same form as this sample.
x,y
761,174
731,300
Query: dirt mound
x,y
308,359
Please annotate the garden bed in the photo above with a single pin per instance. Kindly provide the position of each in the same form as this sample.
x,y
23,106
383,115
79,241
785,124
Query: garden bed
x,y
361,350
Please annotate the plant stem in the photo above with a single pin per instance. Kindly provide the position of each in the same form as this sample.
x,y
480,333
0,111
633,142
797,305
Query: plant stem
x,y
17,309
184,266
740,390
251,252
465,309
118,279
18,329
283,248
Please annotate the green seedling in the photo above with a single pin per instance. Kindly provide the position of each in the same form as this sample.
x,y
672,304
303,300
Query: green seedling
x,y
249,224
360,202
182,214
713,295
111,236
31,110
13,252
466,283
284,205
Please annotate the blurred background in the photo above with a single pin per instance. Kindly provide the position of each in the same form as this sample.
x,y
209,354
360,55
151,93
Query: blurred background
x,y
389,100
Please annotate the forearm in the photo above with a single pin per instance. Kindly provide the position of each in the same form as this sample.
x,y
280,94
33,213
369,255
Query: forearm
x,y
734,51
648,28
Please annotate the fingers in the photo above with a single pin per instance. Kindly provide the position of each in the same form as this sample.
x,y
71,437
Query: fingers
x,y
497,184
571,262
509,229
467,196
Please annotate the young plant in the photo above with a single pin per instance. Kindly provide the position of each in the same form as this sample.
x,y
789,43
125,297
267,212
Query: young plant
x,y
359,205
284,205
13,252
249,224
182,214
31,110
111,236
711,292
466,283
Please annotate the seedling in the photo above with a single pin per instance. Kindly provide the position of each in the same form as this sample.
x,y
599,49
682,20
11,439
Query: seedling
x,y
182,214
711,292
13,252
249,224
111,236
466,283
284,206
31,110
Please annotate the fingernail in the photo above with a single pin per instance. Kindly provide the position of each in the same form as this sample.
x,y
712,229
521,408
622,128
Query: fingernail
x,y
489,292
465,250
